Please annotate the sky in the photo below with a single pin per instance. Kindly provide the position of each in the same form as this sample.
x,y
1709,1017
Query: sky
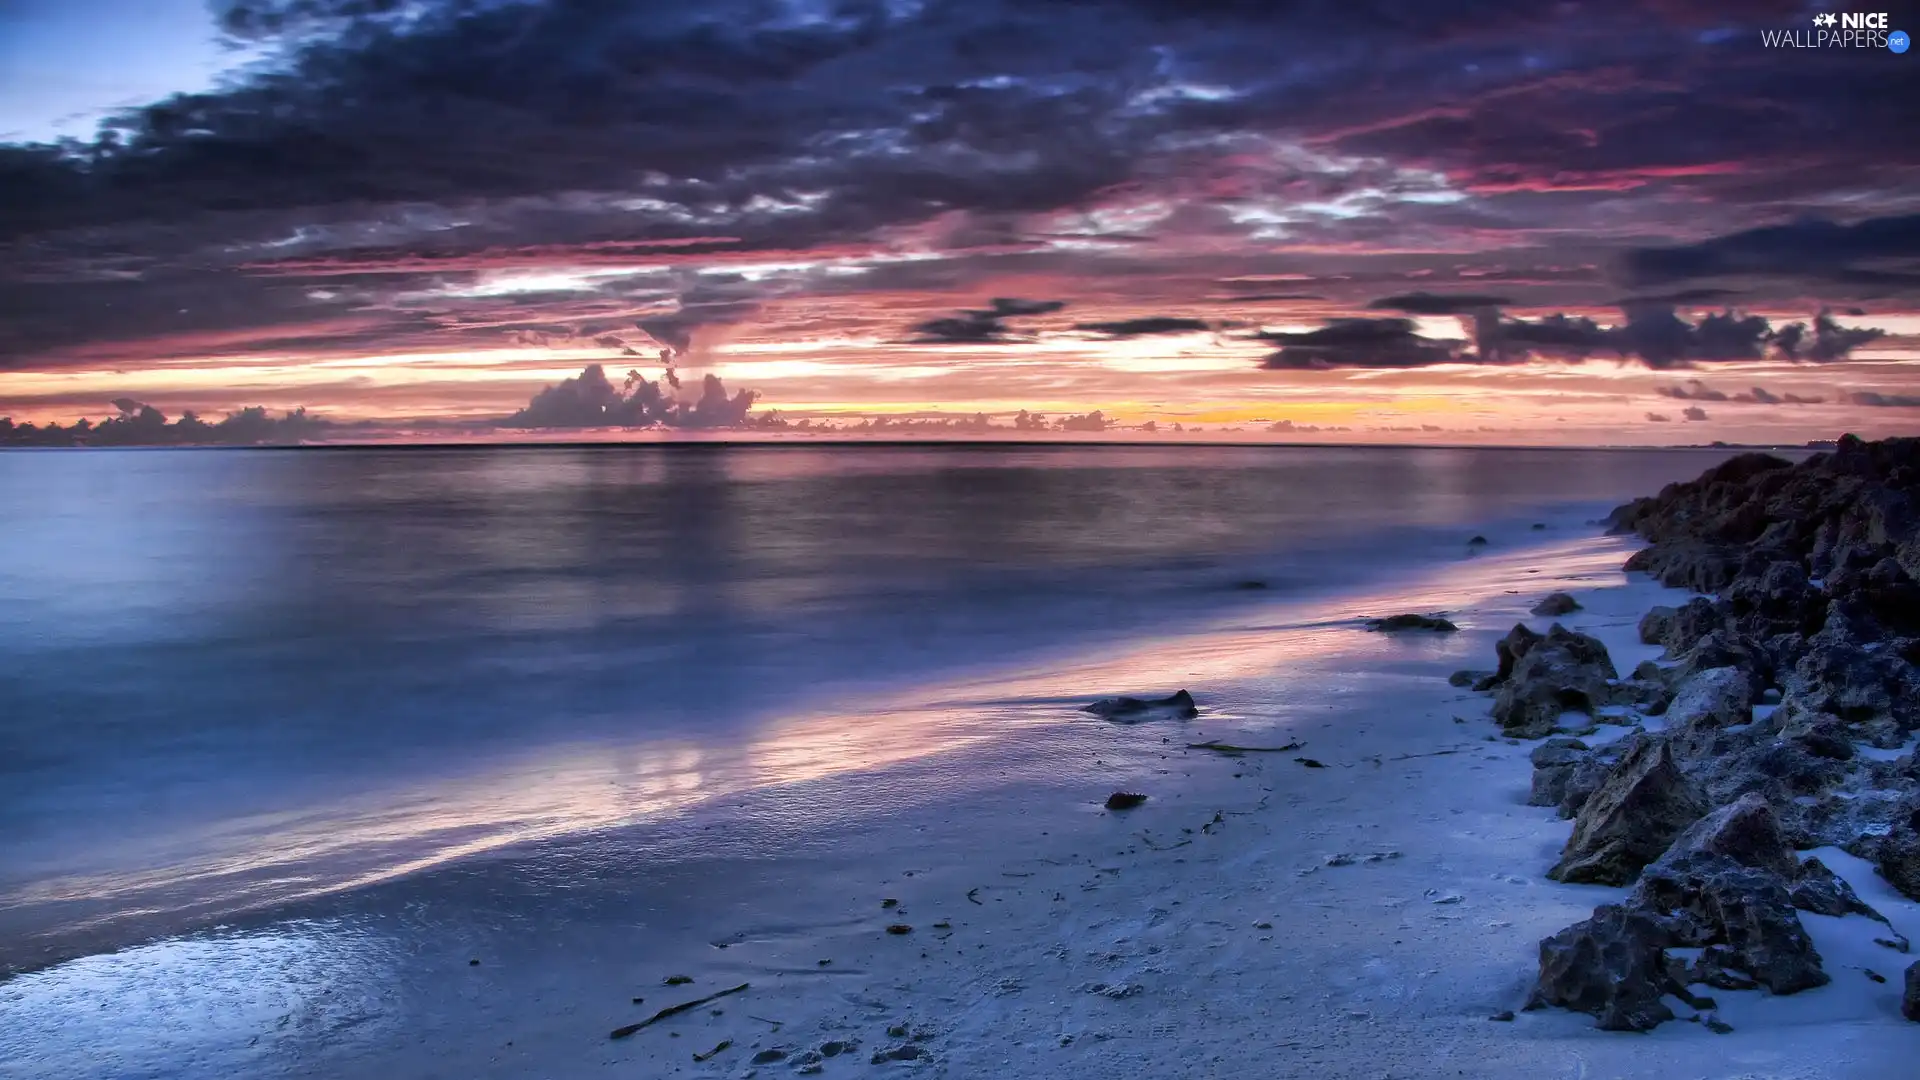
x,y
1489,221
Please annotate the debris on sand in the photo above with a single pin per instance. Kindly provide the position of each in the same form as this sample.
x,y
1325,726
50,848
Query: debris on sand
x,y
1409,621
1125,800
1178,704
675,1010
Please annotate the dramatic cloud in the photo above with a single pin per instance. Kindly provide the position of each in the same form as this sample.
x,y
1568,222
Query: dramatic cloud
x,y
1874,399
140,424
986,326
1878,252
1695,390
590,400
1359,343
1652,334
1142,327
1431,304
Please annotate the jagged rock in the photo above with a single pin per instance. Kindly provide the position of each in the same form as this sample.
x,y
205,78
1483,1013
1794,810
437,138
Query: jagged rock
x,y
1725,649
1466,677
1554,764
1910,1001
1518,642
1556,604
1897,853
1656,624
1705,900
1395,623
1689,624
1746,832
1562,671
1612,966
1643,804
1178,704
1717,697
1823,892
1823,736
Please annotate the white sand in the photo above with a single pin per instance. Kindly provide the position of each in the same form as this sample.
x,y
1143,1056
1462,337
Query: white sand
x,y
1226,939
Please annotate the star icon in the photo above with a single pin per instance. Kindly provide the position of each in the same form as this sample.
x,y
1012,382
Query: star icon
x,y
1825,18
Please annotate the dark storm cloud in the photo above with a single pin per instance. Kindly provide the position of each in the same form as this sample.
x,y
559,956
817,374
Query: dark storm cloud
x,y
981,326
1874,399
1694,412
1420,303
1144,327
1876,252
1361,343
1651,334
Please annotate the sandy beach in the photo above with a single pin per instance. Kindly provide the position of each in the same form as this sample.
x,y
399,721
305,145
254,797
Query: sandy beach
x,y
1255,916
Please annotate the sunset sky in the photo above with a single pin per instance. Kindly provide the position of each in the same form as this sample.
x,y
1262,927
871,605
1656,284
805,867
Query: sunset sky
x,y
1368,220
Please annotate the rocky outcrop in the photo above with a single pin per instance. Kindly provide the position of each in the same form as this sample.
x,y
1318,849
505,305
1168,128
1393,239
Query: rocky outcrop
x,y
1641,805
1811,576
1910,1001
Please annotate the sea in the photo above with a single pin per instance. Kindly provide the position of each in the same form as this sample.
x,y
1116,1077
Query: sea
x,y
235,679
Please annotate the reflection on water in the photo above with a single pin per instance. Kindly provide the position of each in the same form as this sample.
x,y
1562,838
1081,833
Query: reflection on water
x,y
230,678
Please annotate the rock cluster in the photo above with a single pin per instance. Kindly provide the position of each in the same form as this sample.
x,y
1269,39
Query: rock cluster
x,y
1805,653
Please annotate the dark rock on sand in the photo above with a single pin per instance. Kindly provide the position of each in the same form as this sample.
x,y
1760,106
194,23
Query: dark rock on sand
x,y
1178,704
1394,623
1467,677
1643,803
1554,765
1612,966
1556,604
1910,1002
1823,892
1558,672
1124,800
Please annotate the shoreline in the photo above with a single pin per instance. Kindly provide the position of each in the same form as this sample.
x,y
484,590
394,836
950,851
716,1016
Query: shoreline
x,y
1248,915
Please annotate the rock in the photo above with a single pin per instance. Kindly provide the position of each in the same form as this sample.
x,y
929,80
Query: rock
x,y
1504,1016
1641,806
1714,698
1897,854
1746,832
902,1052
1124,800
1562,671
1656,624
1466,677
1611,966
1178,704
1556,604
1705,899
1910,1002
1518,642
1817,889
1395,623
1689,624
1554,763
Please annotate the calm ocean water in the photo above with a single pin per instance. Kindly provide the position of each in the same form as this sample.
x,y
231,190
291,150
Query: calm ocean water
x,y
227,677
